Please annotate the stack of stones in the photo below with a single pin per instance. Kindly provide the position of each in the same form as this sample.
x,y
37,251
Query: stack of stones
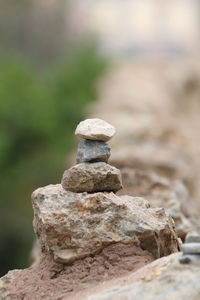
x,y
191,248
92,172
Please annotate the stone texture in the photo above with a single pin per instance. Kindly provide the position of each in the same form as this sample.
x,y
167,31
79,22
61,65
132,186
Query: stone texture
x,y
92,177
192,237
72,225
191,248
189,258
95,129
51,280
164,278
92,151
154,134
163,192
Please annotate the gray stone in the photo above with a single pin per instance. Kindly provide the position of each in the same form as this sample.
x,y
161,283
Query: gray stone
x,y
75,225
95,129
192,237
92,177
191,248
92,151
189,258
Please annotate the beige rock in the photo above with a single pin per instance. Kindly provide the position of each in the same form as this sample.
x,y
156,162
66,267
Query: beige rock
x,y
192,237
163,192
95,129
4,282
160,158
164,278
74,225
92,177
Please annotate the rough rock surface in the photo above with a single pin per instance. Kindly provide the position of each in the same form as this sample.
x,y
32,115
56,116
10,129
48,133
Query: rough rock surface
x,y
92,177
164,278
92,151
163,192
71,225
95,129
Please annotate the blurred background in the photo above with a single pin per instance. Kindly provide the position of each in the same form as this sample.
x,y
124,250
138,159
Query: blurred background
x,y
46,82
52,55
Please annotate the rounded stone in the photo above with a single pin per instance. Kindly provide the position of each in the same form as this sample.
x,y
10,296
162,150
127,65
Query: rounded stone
x,y
92,177
189,258
192,237
95,129
191,248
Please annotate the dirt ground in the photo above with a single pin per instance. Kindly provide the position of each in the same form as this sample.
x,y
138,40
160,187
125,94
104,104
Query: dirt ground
x,y
41,281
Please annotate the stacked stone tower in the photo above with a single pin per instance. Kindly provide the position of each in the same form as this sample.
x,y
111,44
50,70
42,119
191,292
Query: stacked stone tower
x,y
83,215
93,173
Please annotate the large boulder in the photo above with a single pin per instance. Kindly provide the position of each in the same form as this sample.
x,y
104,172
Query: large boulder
x,y
75,225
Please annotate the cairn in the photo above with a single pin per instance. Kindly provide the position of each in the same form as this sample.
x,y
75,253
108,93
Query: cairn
x,y
92,172
191,248
83,215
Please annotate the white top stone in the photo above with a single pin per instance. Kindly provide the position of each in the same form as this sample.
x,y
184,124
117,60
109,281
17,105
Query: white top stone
x,y
95,129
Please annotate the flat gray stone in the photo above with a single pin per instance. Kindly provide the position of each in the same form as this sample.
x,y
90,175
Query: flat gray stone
x,y
92,177
92,151
189,258
192,237
191,248
95,129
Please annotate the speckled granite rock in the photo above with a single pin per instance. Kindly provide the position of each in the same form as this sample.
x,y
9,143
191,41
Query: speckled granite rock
x,y
95,129
92,151
92,177
72,225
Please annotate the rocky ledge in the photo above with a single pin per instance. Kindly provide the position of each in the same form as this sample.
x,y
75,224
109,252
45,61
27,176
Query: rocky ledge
x,y
71,225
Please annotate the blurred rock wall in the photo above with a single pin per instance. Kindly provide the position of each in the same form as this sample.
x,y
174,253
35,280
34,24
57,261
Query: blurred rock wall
x,y
134,26
152,95
155,107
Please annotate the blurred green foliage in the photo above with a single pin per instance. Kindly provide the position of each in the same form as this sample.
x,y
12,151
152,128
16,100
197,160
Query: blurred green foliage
x,y
39,111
